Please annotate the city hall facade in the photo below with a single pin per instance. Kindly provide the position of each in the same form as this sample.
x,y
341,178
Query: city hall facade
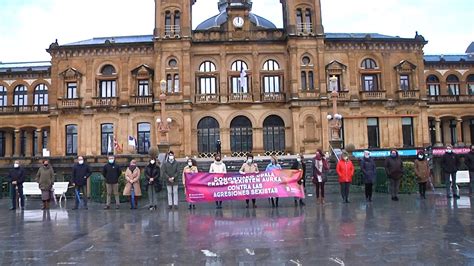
x,y
239,79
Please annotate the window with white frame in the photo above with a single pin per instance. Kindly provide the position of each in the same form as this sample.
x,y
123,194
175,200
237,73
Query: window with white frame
x,y
271,77
239,78
207,81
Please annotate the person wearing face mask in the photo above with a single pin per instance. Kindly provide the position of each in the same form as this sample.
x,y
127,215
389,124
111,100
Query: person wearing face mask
x,y
80,173
249,167
111,172
132,179
153,186
272,166
191,167
450,165
169,171
422,172
299,164
16,176
320,168
394,169
45,179
218,167
369,174
345,171
469,161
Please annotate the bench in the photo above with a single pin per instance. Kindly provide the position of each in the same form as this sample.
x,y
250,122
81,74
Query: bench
x,y
60,188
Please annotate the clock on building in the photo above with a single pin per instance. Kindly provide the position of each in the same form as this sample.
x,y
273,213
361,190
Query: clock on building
x,y
238,22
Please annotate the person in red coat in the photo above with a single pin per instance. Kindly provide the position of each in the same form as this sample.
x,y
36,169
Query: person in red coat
x,y
345,171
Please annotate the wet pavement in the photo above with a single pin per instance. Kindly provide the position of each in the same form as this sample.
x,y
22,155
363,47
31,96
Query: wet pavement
x,y
434,231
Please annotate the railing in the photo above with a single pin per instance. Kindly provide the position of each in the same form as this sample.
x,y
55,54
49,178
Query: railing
x,y
304,28
373,95
240,97
451,99
142,100
69,103
273,97
343,96
172,31
408,94
24,109
207,98
105,102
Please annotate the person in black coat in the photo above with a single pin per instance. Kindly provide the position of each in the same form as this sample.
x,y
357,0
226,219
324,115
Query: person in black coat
x,y
469,162
369,174
111,173
450,165
299,164
80,173
16,176
153,186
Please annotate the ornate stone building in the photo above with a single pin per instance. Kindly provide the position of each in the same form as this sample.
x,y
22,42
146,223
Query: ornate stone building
x,y
237,78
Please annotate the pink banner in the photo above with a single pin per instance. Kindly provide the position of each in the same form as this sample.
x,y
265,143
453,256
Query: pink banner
x,y
207,187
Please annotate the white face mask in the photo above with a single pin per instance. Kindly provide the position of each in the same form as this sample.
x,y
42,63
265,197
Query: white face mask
x,y
152,161
346,158
111,161
249,161
81,162
171,158
190,164
421,156
449,151
298,159
16,165
366,155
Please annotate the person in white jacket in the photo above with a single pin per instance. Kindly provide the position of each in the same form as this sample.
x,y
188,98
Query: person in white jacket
x,y
218,167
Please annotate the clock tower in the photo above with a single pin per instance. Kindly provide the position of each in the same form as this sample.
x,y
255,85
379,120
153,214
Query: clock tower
x,y
238,13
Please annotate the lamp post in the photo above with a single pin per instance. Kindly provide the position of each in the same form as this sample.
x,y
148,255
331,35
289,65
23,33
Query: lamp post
x,y
335,120
163,121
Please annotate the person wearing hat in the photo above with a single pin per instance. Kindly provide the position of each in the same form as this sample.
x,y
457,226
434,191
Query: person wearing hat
x,y
345,171
394,170
369,174
450,165
170,174
422,172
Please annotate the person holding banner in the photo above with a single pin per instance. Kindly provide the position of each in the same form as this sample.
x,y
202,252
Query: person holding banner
x,y
218,167
170,174
320,167
345,171
422,172
132,187
80,173
299,164
249,167
153,186
469,161
16,176
272,166
191,167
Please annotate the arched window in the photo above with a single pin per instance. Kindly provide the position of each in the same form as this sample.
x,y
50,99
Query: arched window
x,y
20,96
2,143
370,80
71,140
3,96
432,82
307,76
241,136
172,24
304,21
41,95
271,77
144,142
207,135
207,80
177,22
274,135
168,25
470,87
453,85
239,77
107,82
172,77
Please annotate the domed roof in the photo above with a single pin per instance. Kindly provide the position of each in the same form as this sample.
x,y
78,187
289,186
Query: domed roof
x,y
217,20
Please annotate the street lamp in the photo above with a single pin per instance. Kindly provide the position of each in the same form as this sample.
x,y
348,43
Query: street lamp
x,y
335,120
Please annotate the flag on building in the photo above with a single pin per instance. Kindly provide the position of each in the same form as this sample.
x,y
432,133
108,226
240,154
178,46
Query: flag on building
x,y
132,141
243,80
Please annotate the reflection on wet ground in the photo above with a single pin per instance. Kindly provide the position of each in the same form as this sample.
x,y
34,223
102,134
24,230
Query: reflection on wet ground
x,y
433,231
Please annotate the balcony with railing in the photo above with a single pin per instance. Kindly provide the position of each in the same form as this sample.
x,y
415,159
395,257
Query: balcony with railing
x,y
273,97
443,99
408,94
240,98
141,100
24,109
172,31
304,28
373,95
69,103
206,98
104,102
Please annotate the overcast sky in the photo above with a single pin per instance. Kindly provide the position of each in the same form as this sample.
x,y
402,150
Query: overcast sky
x,y
27,27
